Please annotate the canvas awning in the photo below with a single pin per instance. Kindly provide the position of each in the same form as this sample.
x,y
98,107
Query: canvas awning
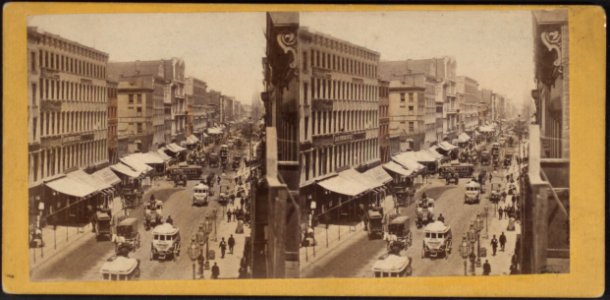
x,y
408,160
433,153
71,187
214,130
161,153
191,139
463,138
135,162
107,176
125,170
396,168
363,180
175,148
378,174
446,146
93,181
346,183
150,158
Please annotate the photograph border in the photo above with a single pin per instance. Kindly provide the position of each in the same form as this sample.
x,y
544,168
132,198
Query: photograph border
x,y
587,176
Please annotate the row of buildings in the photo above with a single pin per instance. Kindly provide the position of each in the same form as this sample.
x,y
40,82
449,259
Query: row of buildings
x,y
85,113
337,118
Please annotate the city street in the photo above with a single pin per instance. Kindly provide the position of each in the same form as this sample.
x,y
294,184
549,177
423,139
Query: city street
x,y
84,262
357,258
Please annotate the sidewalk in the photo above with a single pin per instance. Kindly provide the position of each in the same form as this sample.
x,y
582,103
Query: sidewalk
x,y
500,264
328,240
64,238
229,266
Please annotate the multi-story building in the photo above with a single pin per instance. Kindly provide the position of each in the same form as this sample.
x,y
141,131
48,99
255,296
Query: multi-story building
x,y
67,117
196,97
407,112
112,92
141,114
485,114
385,153
439,94
227,108
175,96
213,106
327,123
544,244
468,99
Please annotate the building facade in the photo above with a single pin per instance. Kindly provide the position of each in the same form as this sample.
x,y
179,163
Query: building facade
x,y
67,110
141,95
113,140
407,112
196,92
468,98
485,114
545,240
384,121
175,96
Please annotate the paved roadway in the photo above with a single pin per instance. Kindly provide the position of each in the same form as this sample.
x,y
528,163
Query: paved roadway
x,y
84,262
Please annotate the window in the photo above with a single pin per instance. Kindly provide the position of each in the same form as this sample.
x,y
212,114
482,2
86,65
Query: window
x,y
305,92
411,108
411,126
33,61
402,97
140,127
139,109
304,61
139,98
34,92
411,97
130,98
34,126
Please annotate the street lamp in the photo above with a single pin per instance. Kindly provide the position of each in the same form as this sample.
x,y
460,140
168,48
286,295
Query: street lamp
x,y
478,223
194,253
464,252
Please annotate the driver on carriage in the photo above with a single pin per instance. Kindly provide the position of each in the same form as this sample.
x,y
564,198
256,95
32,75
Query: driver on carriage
x,y
169,220
441,218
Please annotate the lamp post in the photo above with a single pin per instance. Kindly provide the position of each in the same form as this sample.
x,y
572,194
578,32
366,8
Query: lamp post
x,y
479,226
464,252
208,230
194,252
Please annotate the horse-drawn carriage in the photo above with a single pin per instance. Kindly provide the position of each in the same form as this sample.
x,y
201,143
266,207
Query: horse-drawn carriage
x,y
153,214
400,236
425,212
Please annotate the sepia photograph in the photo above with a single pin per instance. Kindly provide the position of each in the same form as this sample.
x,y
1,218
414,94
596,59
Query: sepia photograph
x,y
378,144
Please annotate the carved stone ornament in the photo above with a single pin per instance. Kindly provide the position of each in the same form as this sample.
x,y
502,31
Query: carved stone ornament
x,y
552,66
283,65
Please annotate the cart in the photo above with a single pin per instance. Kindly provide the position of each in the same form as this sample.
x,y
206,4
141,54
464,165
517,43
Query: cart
x,y
127,234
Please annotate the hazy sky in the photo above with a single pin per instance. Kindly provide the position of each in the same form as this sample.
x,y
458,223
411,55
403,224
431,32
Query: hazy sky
x,y
225,49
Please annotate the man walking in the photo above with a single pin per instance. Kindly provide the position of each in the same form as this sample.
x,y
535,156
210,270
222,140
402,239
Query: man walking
x,y
486,268
500,212
215,271
223,247
502,241
232,244
229,215
494,245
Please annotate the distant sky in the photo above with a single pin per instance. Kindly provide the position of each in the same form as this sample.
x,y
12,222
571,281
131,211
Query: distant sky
x,y
225,49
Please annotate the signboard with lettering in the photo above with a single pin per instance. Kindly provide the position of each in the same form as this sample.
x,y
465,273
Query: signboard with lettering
x,y
321,73
87,137
48,142
360,135
322,105
49,74
71,138
85,81
325,140
50,106
357,80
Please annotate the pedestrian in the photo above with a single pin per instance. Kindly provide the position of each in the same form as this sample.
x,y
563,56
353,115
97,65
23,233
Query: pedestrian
x,y
494,245
500,211
507,177
215,271
502,241
229,215
486,268
223,247
232,244
490,177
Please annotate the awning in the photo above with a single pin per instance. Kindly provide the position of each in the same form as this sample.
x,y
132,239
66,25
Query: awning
x,y
107,176
162,155
175,148
486,129
408,160
81,176
378,174
135,162
150,158
124,169
345,185
71,187
433,153
396,168
214,130
366,181
463,138
446,146
191,139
